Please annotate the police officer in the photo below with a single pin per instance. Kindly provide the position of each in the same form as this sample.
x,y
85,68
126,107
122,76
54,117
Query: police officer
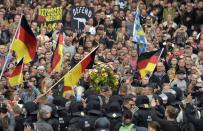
x,y
143,115
93,111
77,114
102,124
127,124
114,114
53,120
63,115
30,110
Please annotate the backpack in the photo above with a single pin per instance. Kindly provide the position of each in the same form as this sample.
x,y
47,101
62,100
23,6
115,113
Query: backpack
x,y
131,127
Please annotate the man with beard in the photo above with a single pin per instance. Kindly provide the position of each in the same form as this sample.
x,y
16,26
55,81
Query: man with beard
x,y
159,76
67,46
75,60
111,36
7,120
40,74
180,80
30,92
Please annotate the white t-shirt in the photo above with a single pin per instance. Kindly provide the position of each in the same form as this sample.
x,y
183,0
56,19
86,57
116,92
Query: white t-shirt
x,y
92,30
174,25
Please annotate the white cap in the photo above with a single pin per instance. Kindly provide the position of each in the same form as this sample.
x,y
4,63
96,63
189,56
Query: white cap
x,y
41,68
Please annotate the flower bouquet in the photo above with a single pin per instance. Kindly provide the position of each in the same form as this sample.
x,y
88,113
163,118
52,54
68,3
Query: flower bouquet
x,y
102,75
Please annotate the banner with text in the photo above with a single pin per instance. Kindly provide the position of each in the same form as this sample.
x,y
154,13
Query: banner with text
x,y
48,18
80,16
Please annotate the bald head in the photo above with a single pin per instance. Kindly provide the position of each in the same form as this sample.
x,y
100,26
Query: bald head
x,y
160,67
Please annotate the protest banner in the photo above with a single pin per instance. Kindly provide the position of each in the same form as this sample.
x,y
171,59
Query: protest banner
x,y
48,18
80,16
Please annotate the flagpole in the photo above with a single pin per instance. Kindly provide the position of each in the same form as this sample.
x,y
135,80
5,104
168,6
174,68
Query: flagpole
x,y
69,71
10,47
21,71
160,54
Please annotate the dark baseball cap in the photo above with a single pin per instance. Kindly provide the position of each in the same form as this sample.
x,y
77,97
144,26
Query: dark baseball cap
x,y
67,28
100,27
180,72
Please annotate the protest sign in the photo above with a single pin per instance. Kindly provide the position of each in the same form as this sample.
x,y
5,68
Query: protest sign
x,y
80,16
48,18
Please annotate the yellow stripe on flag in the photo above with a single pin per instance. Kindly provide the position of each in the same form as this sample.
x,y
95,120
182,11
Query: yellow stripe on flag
x,y
72,78
60,52
149,68
14,81
21,51
143,73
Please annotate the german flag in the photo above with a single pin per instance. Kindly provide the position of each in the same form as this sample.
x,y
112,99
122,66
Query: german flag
x,y
147,62
58,55
16,77
25,44
71,79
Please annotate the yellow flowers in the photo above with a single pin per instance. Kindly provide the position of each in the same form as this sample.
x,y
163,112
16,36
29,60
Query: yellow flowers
x,y
116,83
96,81
103,70
98,89
91,75
104,75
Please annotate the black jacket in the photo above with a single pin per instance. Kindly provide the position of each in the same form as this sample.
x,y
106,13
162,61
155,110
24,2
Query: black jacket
x,y
198,123
64,119
54,122
142,117
19,120
87,124
4,37
165,124
76,118
73,63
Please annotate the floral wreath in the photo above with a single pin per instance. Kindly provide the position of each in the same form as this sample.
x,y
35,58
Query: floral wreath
x,y
102,75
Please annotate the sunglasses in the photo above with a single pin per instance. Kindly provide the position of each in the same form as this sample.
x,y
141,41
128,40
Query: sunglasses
x,y
69,35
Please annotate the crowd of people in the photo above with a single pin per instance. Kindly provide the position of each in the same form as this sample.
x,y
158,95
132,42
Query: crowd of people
x,y
168,99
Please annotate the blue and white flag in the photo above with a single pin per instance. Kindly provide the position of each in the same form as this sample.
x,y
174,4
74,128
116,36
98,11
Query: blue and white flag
x,y
139,35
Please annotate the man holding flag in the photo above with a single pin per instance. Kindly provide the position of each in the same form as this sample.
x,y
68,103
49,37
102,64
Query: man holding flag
x,y
24,43
57,57
71,79
139,35
16,77
148,61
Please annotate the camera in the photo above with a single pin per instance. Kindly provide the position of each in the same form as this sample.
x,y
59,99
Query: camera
x,y
196,88
196,92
